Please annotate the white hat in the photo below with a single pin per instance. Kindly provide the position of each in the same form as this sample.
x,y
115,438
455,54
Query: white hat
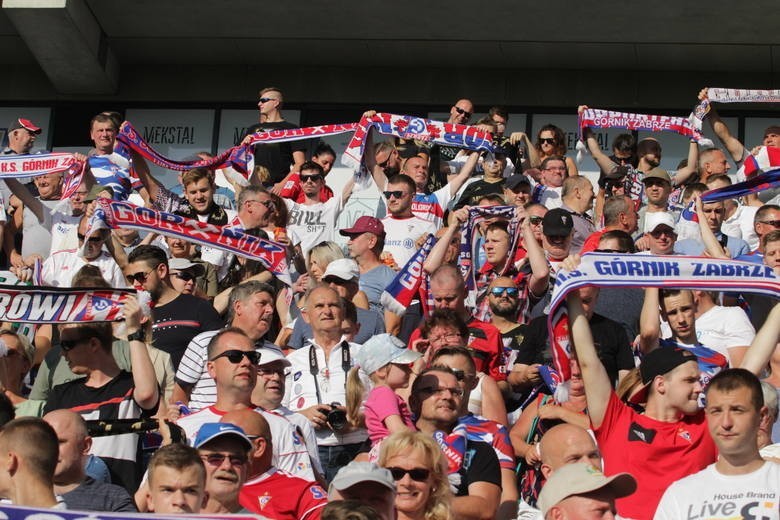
x,y
344,268
181,264
579,478
269,355
382,349
658,218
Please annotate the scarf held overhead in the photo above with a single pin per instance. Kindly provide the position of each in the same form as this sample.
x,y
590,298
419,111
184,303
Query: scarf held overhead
x,y
730,95
114,214
639,271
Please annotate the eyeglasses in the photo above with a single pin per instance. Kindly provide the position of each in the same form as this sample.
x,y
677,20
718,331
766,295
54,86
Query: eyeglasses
x,y
500,291
313,178
216,459
265,99
548,140
69,344
609,251
416,474
384,163
462,112
555,169
265,371
773,223
93,238
444,337
660,232
184,276
139,277
437,391
398,194
235,356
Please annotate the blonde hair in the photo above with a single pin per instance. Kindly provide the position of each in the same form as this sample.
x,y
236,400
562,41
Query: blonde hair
x,y
324,253
630,383
438,505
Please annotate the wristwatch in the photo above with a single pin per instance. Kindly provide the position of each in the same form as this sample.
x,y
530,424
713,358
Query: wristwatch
x,y
138,335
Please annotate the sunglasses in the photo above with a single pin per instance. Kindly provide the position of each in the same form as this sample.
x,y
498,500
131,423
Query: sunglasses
x,y
548,140
139,277
398,194
659,233
313,178
462,112
499,291
609,251
416,474
216,459
461,375
235,356
265,99
384,163
69,344
93,238
535,221
184,276
773,223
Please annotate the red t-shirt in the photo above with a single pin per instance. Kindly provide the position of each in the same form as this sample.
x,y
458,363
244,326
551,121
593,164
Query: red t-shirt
x,y
592,242
656,453
292,190
485,340
279,495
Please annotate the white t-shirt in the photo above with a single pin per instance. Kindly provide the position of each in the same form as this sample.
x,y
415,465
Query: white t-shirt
x,y
59,268
712,496
64,231
401,236
740,225
310,225
551,198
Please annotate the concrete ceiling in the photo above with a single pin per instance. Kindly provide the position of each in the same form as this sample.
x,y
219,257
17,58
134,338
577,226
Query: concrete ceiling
x,y
121,49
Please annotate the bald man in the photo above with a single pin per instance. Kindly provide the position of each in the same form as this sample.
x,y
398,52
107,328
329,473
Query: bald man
x,y
267,491
566,444
79,491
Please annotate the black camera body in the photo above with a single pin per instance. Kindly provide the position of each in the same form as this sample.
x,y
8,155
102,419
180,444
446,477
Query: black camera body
x,y
336,417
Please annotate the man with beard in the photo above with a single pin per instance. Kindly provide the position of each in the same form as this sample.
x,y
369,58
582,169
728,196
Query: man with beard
x,y
251,309
177,318
223,448
657,188
504,299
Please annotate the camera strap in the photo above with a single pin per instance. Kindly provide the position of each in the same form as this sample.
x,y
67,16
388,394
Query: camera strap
x,y
314,369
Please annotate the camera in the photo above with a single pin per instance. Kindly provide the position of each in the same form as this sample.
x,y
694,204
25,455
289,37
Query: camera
x,y
337,418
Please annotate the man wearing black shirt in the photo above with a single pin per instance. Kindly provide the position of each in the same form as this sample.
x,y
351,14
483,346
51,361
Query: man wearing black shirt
x,y
277,157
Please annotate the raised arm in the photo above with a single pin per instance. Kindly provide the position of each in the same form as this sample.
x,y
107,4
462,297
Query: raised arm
x,y
685,173
346,193
597,384
463,175
764,344
146,392
28,199
141,169
732,144
540,269
439,250
650,321
606,165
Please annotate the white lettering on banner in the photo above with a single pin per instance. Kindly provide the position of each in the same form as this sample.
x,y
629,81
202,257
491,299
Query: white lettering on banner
x,y
169,134
636,268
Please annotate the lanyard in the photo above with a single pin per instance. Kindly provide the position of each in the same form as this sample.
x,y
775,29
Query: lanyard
x,y
314,368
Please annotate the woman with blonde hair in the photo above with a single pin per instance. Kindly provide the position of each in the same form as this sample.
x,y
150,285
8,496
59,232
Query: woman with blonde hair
x,y
419,469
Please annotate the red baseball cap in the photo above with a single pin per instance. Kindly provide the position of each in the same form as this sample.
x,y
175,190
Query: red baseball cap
x,y
26,124
365,224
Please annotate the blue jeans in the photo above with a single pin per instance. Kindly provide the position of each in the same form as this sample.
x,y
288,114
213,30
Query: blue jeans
x,y
334,458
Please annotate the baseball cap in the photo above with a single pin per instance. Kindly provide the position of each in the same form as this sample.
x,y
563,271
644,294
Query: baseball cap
x,y
96,190
514,181
356,472
344,268
557,223
365,224
579,478
658,218
382,349
181,264
269,354
657,173
772,130
26,124
210,431
657,363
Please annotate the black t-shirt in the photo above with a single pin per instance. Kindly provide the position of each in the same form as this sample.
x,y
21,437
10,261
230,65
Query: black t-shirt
x,y
477,190
180,320
480,464
277,157
610,337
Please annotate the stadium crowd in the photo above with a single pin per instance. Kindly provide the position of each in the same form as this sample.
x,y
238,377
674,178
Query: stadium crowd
x,y
224,390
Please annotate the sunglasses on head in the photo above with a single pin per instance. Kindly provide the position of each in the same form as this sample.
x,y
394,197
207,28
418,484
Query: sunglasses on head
x,y
416,474
499,291
398,194
313,178
235,356
548,140
139,277
216,459
93,238
462,112
184,276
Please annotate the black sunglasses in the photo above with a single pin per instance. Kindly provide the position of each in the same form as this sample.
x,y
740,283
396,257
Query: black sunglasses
x,y
235,356
93,238
216,459
313,178
139,277
184,276
398,194
384,163
417,474
463,112
773,223
509,291
609,251
69,344
548,140
265,99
